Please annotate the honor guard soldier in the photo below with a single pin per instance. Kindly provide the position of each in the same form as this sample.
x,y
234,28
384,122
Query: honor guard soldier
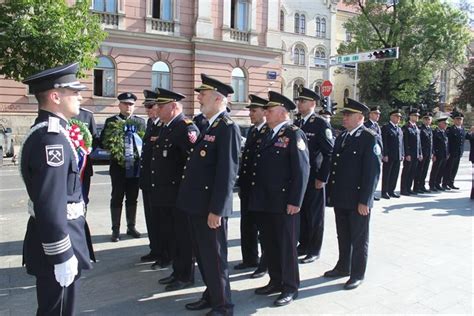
x,y
249,228
57,242
392,154
354,176
153,126
440,154
205,194
277,191
124,177
320,144
170,152
456,137
426,137
413,154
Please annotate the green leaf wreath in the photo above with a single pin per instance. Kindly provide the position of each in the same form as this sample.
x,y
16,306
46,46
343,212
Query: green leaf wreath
x,y
114,139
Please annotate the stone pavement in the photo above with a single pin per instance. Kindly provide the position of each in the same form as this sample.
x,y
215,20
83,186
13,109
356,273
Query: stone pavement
x,y
420,261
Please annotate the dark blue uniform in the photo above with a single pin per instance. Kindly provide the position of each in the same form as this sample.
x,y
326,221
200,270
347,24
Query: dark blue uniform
x,y
456,138
392,138
320,144
57,229
412,148
426,137
201,122
206,187
354,176
440,151
281,176
170,151
376,128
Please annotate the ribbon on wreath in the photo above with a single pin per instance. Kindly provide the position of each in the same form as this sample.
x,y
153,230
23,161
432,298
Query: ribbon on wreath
x,y
132,142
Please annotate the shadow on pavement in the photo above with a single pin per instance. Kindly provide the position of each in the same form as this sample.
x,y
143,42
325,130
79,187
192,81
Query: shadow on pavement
x,y
463,207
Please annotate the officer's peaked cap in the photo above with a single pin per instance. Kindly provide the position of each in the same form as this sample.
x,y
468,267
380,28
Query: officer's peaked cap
x,y
208,83
127,97
256,101
354,106
307,94
457,114
275,99
55,78
396,112
166,96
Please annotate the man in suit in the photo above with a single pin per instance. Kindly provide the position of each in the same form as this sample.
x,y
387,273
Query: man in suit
x,y
372,123
249,228
320,143
354,176
393,153
426,137
456,137
205,194
440,154
277,192
413,154
124,178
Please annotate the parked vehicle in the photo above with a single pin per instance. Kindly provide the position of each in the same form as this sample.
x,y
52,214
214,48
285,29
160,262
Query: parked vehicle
x,y
100,156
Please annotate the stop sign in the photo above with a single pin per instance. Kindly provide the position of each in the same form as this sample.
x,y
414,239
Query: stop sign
x,y
326,88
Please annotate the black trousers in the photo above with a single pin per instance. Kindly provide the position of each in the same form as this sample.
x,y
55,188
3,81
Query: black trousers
x,y
54,299
152,222
408,174
451,170
210,246
248,231
165,231
183,263
437,172
422,172
122,187
312,219
86,186
353,241
280,233
390,172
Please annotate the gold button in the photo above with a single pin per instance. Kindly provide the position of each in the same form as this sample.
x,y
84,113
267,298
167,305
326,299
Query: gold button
x,y
246,157
182,177
255,164
335,163
188,158
153,158
283,190
258,155
334,172
358,188
355,152
253,173
192,149
253,183
278,151
152,184
184,167
173,182
153,171
337,155
333,182
206,187
205,145
157,146
141,167
245,165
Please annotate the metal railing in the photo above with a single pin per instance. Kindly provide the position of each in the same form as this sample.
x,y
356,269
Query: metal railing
x,y
108,18
241,36
162,25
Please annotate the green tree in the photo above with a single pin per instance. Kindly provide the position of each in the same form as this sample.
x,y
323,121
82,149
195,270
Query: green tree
x,y
466,87
429,34
41,34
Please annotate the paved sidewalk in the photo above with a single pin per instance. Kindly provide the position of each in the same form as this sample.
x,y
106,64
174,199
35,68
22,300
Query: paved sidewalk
x,y
420,261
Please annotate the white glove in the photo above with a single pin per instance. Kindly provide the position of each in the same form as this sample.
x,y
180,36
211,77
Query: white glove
x,y
66,272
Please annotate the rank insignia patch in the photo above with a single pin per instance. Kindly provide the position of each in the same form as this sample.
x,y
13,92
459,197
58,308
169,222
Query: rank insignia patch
x,y
54,155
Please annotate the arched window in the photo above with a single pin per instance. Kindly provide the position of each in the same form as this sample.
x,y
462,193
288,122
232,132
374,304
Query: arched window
x,y
346,95
282,21
317,87
302,24
160,76
297,23
104,77
323,27
239,84
320,57
299,55
297,86
318,27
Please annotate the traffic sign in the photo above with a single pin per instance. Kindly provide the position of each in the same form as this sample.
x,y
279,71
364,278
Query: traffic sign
x,y
326,88
375,55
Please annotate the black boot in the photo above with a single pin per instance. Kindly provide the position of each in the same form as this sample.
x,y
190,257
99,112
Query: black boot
x,y
131,217
116,213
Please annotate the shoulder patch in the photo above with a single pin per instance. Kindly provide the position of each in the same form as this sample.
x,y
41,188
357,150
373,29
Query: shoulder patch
x,y
54,155
53,125
301,144
377,150
328,133
227,120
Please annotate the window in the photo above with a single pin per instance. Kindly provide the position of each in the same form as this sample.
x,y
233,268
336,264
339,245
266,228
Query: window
x,y
282,21
346,95
318,27
317,87
240,15
105,6
297,87
323,27
320,57
302,24
104,78
160,76
297,23
299,55
239,85
162,9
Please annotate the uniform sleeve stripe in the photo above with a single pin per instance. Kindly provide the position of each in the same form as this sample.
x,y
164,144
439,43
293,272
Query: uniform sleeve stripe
x,y
58,247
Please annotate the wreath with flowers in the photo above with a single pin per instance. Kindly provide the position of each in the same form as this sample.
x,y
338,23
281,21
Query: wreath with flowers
x,y
114,139
80,137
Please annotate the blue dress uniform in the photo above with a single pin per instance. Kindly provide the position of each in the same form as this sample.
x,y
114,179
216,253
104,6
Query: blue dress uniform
x,y
201,122
392,138
440,152
121,184
456,138
354,175
56,229
320,145
426,137
412,148
281,175
375,126
207,186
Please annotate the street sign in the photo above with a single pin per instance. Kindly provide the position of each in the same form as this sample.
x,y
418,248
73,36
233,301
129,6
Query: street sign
x,y
375,55
271,75
326,88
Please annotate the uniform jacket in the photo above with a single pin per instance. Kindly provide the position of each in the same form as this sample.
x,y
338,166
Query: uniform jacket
x,y
426,137
87,117
456,137
151,132
281,172
411,140
50,172
201,122
470,137
376,128
211,170
169,153
392,138
440,144
320,144
355,169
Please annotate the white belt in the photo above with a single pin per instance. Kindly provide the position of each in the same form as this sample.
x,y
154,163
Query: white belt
x,y
74,210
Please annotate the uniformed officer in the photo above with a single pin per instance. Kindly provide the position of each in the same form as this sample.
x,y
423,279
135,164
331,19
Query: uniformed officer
x,y
326,114
426,137
249,227
320,144
201,122
57,241
277,192
153,126
124,180
354,176
205,194
440,154
456,137
413,154
393,153
372,123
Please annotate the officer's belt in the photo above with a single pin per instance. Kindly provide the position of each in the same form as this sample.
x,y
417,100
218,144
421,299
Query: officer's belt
x,y
74,210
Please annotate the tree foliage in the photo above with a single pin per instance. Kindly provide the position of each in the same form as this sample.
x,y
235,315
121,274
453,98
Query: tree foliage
x,y
466,87
39,34
429,34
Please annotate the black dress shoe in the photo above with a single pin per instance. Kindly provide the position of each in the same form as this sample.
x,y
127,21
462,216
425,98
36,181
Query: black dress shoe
x,y
376,198
168,280
405,193
451,186
268,289
446,188
433,189
285,299
243,265
197,306
385,196
440,188
412,192
115,236
160,263
394,195
352,284
258,274
133,232
178,285
334,273
309,259
148,257
300,251
425,190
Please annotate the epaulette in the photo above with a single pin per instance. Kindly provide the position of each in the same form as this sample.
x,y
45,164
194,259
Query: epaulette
x,y
227,120
53,125
371,131
294,127
86,110
188,121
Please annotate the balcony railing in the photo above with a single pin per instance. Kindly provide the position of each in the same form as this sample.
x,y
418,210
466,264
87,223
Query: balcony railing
x,y
241,36
162,25
108,18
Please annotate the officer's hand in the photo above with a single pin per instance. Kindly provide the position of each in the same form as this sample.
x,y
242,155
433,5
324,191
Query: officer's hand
x,y
66,272
291,209
318,184
213,221
385,158
434,158
363,209
408,158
